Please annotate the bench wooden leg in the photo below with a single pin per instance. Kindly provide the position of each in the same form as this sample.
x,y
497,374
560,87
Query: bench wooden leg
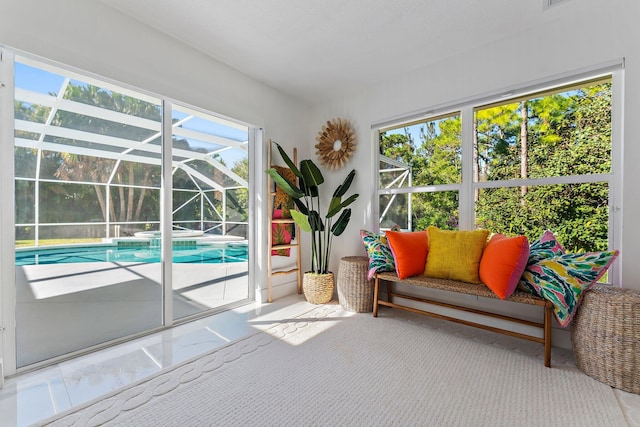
x,y
376,292
388,291
548,310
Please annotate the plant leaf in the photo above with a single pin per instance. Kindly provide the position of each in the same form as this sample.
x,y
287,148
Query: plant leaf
x,y
308,190
336,206
288,161
341,223
286,186
350,200
301,220
315,221
301,206
342,188
311,174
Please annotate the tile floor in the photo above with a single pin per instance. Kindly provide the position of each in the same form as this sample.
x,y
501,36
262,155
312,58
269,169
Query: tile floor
x,y
34,396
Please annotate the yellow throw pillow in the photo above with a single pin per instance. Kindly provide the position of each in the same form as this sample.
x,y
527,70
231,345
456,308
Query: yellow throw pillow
x,y
455,254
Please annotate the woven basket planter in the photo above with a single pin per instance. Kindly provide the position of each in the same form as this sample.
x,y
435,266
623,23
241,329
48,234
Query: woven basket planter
x,y
606,337
318,288
355,292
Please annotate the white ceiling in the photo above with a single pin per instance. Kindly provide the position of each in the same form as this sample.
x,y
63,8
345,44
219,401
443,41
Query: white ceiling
x,y
315,50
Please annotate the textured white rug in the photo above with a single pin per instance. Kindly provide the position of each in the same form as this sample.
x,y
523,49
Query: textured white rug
x,y
334,368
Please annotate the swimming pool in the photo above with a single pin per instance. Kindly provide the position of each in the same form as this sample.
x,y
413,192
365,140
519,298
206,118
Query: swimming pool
x,y
215,253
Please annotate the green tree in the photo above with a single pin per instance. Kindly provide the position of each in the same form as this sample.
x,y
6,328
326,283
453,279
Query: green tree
x,y
238,199
566,134
438,161
435,161
130,200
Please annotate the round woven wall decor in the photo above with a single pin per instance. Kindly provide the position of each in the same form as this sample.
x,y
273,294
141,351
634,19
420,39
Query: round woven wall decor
x,y
336,143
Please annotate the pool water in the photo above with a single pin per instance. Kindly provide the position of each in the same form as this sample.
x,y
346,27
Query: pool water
x,y
194,254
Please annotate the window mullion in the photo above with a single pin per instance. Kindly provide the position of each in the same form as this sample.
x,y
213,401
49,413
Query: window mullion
x,y
420,189
465,197
615,195
166,214
552,180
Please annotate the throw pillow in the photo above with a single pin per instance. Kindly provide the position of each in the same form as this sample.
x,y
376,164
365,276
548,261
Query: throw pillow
x,y
547,246
378,251
503,262
409,251
564,279
455,254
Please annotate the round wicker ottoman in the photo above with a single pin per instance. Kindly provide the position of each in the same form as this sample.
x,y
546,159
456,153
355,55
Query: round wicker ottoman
x,y
606,336
355,292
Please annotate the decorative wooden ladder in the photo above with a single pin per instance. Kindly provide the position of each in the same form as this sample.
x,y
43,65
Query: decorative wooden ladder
x,y
272,221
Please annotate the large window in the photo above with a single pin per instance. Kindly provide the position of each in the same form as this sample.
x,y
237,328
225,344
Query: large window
x,y
422,161
531,161
547,159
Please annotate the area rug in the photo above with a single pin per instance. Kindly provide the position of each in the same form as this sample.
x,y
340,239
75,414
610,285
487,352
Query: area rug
x,y
334,368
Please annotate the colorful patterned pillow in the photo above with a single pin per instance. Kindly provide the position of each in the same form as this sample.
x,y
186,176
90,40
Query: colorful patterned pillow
x,y
547,246
563,280
378,251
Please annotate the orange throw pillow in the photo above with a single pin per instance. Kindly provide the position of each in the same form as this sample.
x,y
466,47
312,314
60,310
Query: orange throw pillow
x,y
409,251
503,262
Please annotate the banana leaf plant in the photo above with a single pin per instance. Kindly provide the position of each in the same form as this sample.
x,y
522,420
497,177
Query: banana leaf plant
x,y
306,197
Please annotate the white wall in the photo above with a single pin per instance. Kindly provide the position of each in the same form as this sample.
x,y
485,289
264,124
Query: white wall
x,y
572,36
92,37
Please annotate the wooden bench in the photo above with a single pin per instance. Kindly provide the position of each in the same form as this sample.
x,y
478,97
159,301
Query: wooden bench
x,y
468,289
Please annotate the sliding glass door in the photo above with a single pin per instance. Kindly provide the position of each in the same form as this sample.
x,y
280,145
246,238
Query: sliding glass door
x,y
90,265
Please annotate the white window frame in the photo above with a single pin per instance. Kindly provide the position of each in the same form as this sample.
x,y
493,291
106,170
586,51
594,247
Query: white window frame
x,y
466,108
7,213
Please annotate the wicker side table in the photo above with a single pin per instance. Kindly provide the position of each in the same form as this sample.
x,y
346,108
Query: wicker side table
x,y
606,336
355,292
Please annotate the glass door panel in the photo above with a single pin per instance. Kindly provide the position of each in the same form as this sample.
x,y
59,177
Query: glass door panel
x,y
87,184
210,212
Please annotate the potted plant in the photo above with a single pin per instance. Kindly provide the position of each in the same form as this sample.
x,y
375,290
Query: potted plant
x,y
318,283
